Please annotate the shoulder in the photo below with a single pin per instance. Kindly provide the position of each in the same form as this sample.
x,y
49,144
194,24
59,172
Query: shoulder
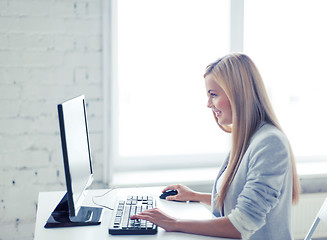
x,y
268,135
269,143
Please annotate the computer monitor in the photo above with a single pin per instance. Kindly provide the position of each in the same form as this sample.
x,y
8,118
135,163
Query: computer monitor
x,y
77,160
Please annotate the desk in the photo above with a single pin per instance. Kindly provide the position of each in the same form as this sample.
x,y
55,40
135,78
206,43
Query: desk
x,y
48,200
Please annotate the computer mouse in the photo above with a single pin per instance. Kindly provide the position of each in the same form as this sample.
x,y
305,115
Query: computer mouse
x,y
168,193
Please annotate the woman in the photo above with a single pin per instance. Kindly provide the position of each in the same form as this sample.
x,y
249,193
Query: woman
x,y
255,187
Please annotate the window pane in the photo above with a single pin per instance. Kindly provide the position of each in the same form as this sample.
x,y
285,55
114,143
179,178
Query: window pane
x,y
163,49
287,41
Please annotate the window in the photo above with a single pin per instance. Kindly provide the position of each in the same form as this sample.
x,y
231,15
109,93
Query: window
x,y
287,41
163,48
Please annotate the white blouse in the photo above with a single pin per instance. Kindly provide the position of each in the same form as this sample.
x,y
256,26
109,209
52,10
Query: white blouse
x,y
220,181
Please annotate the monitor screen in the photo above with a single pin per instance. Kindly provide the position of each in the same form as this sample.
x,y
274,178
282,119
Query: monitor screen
x,y
76,150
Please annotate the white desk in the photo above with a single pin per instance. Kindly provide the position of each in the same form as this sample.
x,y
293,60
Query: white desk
x,y
48,200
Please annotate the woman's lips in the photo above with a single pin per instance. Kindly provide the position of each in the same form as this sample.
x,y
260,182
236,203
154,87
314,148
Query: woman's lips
x,y
217,113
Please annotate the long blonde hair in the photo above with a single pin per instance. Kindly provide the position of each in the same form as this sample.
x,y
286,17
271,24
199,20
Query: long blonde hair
x,y
237,75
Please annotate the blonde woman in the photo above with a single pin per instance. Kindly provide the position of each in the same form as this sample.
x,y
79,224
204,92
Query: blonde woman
x,y
257,183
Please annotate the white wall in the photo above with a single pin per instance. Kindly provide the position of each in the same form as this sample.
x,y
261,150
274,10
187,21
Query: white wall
x,y
50,51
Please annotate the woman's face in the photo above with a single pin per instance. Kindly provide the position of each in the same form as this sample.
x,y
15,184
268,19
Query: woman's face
x,y
218,101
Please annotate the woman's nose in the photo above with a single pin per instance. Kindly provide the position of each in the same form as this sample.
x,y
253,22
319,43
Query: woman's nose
x,y
209,103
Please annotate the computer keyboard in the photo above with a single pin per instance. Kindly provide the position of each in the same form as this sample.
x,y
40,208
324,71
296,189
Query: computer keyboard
x,y
121,224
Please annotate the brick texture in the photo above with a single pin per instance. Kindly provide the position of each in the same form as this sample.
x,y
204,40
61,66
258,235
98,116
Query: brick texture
x,y
50,51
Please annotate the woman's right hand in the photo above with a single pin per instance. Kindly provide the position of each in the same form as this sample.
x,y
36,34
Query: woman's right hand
x,y
184,193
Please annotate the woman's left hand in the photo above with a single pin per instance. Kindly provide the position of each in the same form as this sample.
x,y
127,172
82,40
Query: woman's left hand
x,y
159,218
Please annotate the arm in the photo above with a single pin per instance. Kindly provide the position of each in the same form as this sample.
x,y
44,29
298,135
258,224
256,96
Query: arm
x,y
202,197
267,168
218,227
186,194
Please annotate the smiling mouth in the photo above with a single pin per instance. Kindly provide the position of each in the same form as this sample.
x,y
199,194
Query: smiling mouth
x,y
217,113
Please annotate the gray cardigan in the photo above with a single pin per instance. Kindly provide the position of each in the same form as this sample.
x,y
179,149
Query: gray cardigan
x,y
258,202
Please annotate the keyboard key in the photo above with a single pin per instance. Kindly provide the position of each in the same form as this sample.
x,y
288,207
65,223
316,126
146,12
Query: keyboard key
x,y
117,220
119,213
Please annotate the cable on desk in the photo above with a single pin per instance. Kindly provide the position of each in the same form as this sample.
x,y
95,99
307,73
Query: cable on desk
x,y
110,208
100,205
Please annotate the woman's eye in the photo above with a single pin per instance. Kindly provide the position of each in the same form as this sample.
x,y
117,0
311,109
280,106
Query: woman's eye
x,y
213,95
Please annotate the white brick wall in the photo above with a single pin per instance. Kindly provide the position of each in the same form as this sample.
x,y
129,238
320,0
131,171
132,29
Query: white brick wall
x,y
50,51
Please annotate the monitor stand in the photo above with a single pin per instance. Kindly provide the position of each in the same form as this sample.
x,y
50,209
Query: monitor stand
x,y
60,216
